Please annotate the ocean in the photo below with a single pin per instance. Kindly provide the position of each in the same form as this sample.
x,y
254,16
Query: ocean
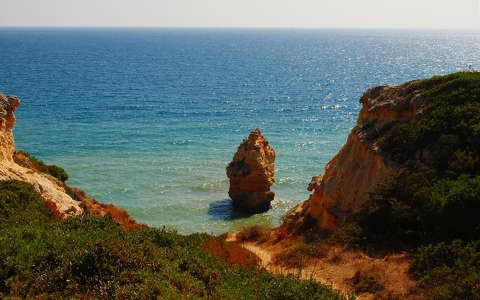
x,y
148,119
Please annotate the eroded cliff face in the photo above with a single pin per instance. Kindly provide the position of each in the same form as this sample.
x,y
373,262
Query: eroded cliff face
x,y
48,187
360,165
251,174
8,104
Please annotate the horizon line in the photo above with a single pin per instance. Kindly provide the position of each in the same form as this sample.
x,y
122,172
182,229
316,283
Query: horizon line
x,y
236,27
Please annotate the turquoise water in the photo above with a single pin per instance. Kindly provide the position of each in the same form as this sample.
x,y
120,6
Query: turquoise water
x,y
148,119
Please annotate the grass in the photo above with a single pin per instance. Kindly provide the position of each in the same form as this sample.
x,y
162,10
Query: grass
x,y
92,257
298,255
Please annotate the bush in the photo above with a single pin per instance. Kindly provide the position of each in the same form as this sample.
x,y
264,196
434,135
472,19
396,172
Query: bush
x,y
253,234
400,142
441,155
453,112
364,283
92,257
27,160
450,209
350,234
57,172
392,219
451,270
434,204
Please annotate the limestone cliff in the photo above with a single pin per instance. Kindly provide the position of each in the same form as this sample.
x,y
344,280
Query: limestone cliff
x,y
251,174
8,104
48,187
360,165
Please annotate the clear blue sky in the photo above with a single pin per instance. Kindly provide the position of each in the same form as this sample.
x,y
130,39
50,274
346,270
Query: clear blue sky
x,y
243,13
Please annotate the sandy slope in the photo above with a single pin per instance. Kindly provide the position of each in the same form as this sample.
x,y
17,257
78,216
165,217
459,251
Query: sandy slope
x,y
338,265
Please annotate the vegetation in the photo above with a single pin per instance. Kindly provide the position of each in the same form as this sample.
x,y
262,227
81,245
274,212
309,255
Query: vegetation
x,y
92,257
298,255
437,198
449,129
365,283
254,233
26,159
431,207
451,270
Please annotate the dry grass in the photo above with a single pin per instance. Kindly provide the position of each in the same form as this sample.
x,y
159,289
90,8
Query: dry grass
x,y
51,206
299,254
122,217
22,159
96,208
253,234
386,278
365,282
230,253
346,269
80,193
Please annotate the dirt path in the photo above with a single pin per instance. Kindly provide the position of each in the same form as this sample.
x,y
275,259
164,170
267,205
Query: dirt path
x,y
308,272
337,266
264,255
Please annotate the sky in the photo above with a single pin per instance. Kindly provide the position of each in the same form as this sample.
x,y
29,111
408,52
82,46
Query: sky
x,y
436,14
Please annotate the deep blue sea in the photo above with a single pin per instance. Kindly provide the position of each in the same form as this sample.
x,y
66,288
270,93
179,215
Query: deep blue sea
x,y
148,119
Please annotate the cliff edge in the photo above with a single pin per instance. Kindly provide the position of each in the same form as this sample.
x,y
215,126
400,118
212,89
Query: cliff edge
x,y
50,188
405,189
361,165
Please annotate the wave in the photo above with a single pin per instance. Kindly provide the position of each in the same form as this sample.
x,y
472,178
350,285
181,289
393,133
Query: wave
x,y
285,181
334,106
182,142
213,186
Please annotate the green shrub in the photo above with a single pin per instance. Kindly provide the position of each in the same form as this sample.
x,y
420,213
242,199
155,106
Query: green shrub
x,y
55,171
92,257
450,209
409,211
451,270
72,193
400,142
437,196
435,200
454,110
350,234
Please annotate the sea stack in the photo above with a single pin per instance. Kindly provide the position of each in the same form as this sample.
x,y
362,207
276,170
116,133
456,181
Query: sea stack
x,y
251,174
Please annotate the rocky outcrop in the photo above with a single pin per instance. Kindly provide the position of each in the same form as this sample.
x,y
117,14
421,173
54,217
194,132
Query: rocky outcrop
x,y
52,190
360,165
8,104
251,174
